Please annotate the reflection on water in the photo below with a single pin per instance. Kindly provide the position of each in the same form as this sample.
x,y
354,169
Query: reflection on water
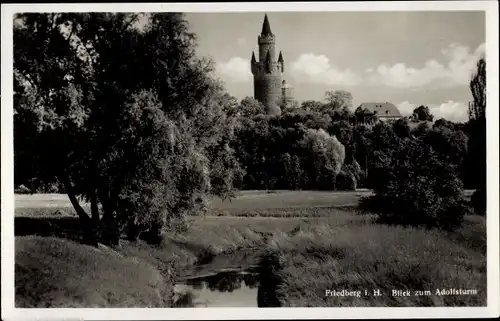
x,y
225,281
225,289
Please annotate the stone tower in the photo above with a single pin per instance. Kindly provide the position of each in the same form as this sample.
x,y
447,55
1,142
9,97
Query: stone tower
x,y
267,71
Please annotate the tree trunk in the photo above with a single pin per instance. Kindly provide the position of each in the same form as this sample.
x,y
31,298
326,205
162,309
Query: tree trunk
x,y
109,230
132,230
89,228
94,207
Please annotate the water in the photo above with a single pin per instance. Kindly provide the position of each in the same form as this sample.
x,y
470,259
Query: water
x,y
222,289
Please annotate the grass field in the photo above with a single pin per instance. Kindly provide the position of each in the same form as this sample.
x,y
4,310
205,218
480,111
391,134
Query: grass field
x,y
244,200
371,257
320,241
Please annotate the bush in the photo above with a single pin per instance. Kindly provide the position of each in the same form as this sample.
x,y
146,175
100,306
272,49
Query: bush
x,y
373,204
346,181
478,201
53,188
349,176
21,189
414,187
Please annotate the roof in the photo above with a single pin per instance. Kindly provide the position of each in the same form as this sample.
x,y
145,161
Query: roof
x,y
266,27
280,58
382,109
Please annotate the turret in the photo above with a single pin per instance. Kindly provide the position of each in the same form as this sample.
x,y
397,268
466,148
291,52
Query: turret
x,y
253,57
282,62
286,92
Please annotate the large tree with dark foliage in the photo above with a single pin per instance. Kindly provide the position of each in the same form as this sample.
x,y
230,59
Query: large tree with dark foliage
x,y
415,186
476,162
422,113
124,114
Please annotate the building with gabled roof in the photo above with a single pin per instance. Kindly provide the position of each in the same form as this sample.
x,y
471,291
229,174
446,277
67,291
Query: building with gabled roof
x,y
378,111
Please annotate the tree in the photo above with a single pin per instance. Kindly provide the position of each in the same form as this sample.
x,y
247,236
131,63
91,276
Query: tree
x,y
477,110
127,118
273,109
441,122
250,107
289,105
414,186
230,105
383,141
450,144
420,130
311,105
422,113
252,149
363,137
325,155
338,100
345,134
402,128
349,176
292,174
476,162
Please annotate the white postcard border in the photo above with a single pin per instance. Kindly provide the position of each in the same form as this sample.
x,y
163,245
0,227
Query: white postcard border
x,y
7,204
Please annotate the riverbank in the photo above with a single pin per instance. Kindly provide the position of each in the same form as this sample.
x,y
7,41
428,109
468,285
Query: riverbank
x,y
210,244
59,273
316,244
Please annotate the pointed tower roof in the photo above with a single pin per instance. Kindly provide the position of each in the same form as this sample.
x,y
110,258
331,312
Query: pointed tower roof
x,y
280,58
266,27
253,57
268,56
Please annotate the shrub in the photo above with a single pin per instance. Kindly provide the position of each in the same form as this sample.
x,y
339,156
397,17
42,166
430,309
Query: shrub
x,y
414,186
346,181
349,176
21,189
53,188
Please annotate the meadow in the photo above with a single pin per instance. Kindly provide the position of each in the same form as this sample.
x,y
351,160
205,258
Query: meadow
x,y
310,241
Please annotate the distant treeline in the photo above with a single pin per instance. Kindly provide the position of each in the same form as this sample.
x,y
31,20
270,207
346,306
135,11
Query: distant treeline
x,y
324,146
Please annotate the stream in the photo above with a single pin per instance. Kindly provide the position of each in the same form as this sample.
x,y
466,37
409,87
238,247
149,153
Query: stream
x,y
224,282
224,289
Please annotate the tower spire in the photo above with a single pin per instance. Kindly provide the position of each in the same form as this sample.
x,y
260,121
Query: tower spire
x,y
266,27
282,62
253,56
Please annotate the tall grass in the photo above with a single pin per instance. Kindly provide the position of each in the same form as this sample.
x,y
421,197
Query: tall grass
x,y
374,257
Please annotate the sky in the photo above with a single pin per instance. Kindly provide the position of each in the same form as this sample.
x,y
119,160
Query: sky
x,y
406,58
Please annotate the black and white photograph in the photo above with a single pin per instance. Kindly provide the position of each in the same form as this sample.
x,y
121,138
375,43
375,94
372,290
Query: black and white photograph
x,y
286,156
